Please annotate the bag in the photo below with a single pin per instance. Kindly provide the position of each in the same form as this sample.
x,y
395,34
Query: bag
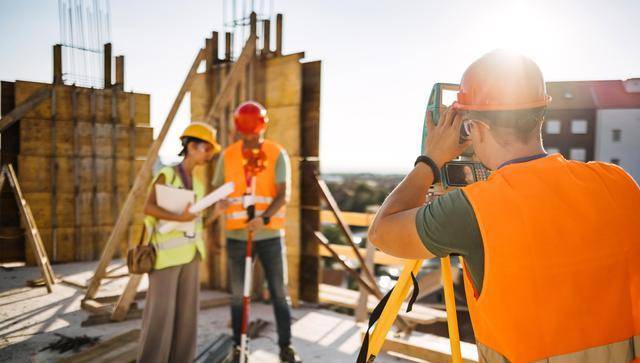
x,y
141,258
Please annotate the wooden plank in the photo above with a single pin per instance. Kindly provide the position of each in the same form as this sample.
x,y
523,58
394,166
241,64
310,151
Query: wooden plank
x,y
380,258
435,350
374,290
355,219
110,350
94,307
124,302
333,205
342,297
21,109
140,184
31,228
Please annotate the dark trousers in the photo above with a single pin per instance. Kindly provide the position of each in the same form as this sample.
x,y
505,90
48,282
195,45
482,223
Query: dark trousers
x,y
270,252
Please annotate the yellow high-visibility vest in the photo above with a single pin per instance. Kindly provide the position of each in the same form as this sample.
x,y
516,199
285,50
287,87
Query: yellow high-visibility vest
x,y
176,247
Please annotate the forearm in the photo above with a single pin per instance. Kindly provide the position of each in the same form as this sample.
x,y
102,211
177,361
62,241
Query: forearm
x,y
393,229
160,213
278,202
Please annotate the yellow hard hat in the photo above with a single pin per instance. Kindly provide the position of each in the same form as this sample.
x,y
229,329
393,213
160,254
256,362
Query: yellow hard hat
x,y
204,132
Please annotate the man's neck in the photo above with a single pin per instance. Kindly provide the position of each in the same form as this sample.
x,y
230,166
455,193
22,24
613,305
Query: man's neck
x,y
519,152
252,144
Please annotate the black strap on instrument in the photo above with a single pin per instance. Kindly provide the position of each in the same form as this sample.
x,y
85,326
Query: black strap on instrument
x,y
375,315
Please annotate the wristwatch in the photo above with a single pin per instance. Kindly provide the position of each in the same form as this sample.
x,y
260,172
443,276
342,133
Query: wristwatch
x,y
266,220
431,164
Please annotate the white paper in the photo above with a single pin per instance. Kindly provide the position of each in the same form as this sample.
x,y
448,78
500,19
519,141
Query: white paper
x,y
175,200
208,200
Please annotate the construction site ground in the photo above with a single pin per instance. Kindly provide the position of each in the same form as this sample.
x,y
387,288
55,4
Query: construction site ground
x,y
29,319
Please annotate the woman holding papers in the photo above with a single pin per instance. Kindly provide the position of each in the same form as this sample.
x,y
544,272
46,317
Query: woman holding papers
x,y
169,321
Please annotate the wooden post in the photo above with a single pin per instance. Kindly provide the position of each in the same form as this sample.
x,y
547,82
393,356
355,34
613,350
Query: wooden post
x,y
120,72
362,311
107,65
76,175
227,47
266,34
279,34
253,23
57,64
310,275
208,45
140,184
53,167
214,47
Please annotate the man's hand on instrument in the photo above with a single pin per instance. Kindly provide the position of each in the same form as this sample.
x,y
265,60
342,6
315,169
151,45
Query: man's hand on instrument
x,y
255,224
443,139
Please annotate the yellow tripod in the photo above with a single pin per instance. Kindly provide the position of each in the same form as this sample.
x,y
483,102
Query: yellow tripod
x,y
400,292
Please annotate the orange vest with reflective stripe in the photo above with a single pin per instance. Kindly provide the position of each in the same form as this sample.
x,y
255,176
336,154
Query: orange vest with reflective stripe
x,y
265,185
562,262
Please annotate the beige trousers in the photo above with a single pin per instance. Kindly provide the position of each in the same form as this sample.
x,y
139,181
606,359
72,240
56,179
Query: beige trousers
x,y
169,320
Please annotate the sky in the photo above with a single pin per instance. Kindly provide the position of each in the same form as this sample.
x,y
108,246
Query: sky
x,y
379,58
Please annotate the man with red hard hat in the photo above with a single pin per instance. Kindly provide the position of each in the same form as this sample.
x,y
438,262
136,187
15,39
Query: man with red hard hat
x,y
550,246
260,170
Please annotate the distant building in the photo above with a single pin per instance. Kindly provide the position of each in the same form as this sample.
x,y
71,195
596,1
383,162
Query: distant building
x,y
595,120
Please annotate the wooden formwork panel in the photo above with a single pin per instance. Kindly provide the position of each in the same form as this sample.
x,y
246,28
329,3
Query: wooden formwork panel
x,y
35,173
62,251
101,204
283,81
35,139
102,98
200,97
284,127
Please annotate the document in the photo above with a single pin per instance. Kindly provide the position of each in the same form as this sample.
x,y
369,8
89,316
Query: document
x,y
175,200
207,201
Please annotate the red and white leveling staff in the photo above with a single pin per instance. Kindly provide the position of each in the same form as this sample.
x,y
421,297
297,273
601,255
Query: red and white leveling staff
x,y
253,164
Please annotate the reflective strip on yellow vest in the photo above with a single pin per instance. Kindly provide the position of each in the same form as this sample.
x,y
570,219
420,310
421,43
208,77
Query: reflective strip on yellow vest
x,y
176,247
265,191
562,263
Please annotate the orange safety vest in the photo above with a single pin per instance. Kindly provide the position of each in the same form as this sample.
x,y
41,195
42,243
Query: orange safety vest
x,y
265,185
562,263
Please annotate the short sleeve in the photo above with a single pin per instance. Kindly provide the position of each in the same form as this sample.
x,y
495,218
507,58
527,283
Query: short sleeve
x,y
448,226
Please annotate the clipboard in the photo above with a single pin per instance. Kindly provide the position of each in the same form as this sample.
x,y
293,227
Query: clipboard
x,y
175,200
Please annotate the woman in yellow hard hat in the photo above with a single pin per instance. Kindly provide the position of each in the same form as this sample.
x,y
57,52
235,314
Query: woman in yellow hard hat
x,y
169,323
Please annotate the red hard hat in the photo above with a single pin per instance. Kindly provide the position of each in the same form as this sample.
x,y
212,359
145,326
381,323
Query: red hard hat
x,y
501,80
250,118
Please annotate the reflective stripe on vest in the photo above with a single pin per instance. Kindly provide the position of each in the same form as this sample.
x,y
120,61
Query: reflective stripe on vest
x,y
562,270
265,192
177,241
243,215
176,248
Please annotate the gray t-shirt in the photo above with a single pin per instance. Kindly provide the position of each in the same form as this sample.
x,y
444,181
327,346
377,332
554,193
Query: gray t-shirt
x,y
448,226
283,175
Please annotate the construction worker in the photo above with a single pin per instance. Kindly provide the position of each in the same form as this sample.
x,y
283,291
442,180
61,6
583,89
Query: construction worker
x,y
550,246
169,322
270,195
